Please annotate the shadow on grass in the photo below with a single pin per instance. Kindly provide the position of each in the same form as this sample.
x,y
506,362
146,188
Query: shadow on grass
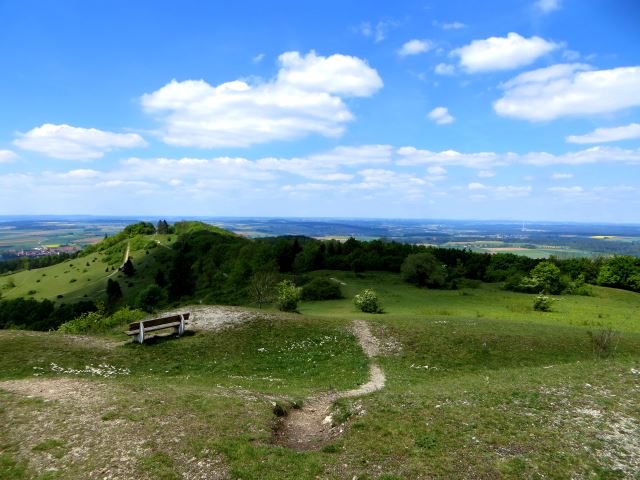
x,y
161,338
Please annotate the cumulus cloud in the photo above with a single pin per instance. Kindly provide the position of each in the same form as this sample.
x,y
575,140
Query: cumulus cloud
x,y
436,170
326,166
306,97
75,143
441,116
547,6
445,69
603,135
258,58
7,156
569,90
561,176
378,31
452,26
502,191
415,47
502,53
408,156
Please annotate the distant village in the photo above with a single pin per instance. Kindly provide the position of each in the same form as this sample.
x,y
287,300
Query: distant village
x,y
46,251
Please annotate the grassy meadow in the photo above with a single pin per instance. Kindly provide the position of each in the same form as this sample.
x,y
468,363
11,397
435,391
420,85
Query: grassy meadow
x,y
478,386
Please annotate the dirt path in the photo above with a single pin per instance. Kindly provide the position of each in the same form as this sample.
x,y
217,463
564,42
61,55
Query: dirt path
x,y
126,257
311,427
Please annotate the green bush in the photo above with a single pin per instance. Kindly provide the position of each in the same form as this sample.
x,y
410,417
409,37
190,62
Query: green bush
x,y
367,301
321,289
542,303
424,270
99,321
151,297
287,296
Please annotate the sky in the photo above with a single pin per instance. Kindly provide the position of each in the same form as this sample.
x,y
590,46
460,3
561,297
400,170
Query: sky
x,y
512,110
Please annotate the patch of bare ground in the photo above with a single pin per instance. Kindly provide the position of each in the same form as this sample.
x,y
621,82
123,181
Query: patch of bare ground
x,y
214,317
71,432
312,426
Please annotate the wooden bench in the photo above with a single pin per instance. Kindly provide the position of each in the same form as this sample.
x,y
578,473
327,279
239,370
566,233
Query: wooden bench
x,y
138,329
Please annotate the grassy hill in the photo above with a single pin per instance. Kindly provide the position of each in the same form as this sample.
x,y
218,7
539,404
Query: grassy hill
x,y
478,386
85,277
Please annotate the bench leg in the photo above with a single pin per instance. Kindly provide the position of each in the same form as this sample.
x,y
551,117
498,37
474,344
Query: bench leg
x,y
180,328
140,337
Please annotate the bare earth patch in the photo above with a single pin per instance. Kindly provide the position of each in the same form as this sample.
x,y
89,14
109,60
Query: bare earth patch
x,y
87,443
311,427
214,317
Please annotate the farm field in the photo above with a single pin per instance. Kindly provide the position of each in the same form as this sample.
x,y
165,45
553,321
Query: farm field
x,y
477,386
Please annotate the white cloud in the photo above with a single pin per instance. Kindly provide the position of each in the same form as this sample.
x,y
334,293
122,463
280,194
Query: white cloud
x,y
501,191
414,47
437,170
502,53
379,31
326,166
408,156
445,69
561,176
602,135
7,156
569,90
441,116
486,174
453,26
566,190
75,143
81,173
547,6
304,98
258,58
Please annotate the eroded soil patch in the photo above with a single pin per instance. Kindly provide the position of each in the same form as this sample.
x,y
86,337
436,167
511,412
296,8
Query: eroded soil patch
x,y
312,426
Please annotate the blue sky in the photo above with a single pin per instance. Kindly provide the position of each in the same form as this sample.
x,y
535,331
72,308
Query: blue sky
x,y
523,110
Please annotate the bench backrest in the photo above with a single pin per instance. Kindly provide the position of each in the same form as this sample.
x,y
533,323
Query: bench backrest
x,y
152,322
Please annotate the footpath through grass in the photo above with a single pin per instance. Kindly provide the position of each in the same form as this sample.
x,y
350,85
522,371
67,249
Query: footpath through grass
x,y
478,386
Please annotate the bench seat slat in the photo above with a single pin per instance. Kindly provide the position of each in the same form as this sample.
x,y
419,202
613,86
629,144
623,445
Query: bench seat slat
x,y
151,329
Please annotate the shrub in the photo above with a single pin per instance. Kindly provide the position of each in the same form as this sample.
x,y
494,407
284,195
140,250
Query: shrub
x,y
423,270
604,343
151,297
367,301
321,289
548,278
542,303
287,296
98,321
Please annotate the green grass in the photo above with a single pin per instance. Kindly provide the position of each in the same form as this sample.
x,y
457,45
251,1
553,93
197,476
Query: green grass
x,y
478,386
618,308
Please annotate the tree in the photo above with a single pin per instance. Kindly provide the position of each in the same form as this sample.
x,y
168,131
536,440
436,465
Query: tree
x,y
547,278
287,296
128,269
261,287
321,289
162,227
114,292
423,270
151,297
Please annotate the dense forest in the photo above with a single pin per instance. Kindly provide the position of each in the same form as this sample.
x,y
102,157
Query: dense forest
x,y
216,266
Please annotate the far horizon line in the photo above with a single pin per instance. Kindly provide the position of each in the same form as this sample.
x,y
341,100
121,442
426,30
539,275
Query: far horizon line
x,y
312,218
